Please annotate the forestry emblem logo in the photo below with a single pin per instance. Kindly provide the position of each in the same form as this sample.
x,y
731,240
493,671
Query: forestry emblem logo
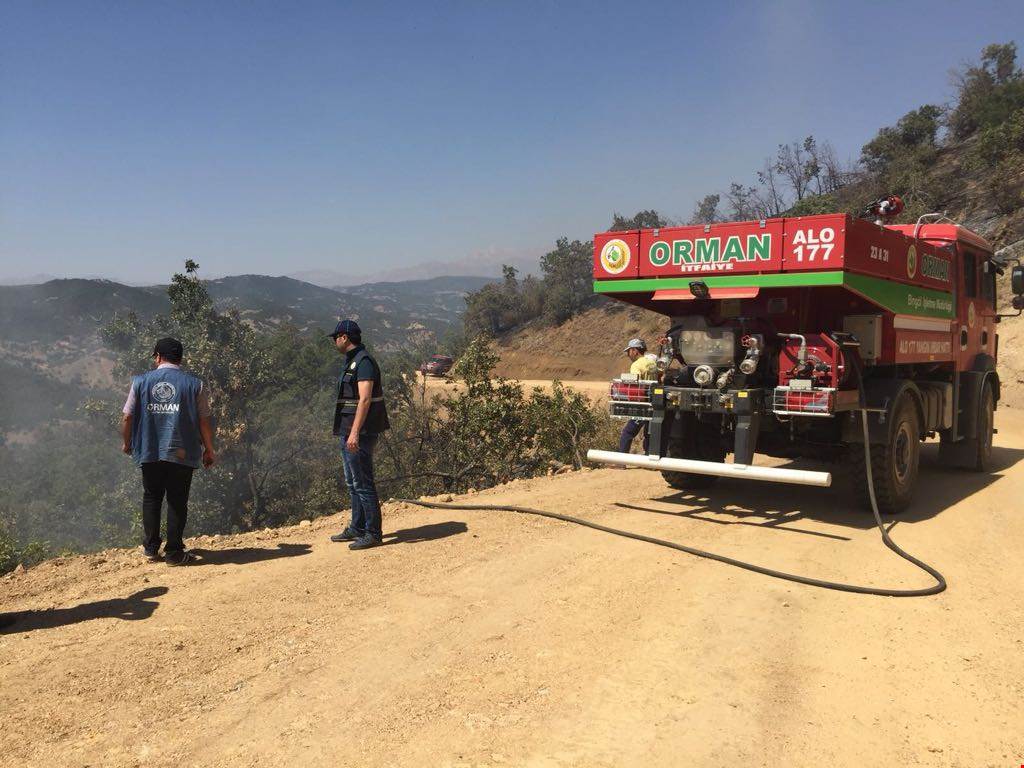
x,y
163,391
615,256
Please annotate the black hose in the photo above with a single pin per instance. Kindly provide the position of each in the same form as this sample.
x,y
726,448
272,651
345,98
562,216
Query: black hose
x,y
940,581
711,555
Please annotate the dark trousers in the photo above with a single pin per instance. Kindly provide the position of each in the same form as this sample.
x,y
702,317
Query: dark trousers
x,y
362,490
629,433
160,479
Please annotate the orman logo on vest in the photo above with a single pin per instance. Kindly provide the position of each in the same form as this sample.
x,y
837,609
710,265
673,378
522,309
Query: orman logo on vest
x,y
163,392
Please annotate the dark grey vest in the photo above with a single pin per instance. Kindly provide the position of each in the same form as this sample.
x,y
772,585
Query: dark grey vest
x,y
348,398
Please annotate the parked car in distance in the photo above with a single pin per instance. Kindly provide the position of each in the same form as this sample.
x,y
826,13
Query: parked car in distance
x,y
438,365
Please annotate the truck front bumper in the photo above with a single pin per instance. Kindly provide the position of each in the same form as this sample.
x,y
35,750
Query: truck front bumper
x,y
693,466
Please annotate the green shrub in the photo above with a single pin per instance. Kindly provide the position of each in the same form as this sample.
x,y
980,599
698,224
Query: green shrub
x,y
814,204
998,143
11,555
494,432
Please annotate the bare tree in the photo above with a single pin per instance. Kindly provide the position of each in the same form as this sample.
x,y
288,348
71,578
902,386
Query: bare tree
x,y
771,200
796,166
807,167
832,174
744,202
822,165
812,164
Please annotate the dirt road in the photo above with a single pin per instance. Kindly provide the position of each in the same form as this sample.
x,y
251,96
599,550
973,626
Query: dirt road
x,y
479,638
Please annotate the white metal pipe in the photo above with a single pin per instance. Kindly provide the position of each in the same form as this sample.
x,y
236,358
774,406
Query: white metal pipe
x,y
801,354
744,471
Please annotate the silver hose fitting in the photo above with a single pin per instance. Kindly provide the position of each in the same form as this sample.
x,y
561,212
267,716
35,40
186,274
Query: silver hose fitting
x,y
703,374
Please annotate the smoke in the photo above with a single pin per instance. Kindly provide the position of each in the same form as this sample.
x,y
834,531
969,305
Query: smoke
x,y
60,459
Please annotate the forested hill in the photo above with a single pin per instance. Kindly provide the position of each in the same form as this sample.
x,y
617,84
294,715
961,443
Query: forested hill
x,y
442,297
52,355
68,309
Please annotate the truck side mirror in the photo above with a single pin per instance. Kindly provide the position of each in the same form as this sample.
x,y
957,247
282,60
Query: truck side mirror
x,y
1017,280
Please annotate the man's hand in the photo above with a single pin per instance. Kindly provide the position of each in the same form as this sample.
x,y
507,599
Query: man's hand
x,y
126,433
206,431
352,444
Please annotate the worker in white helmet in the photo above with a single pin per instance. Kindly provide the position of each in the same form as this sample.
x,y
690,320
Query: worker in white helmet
x,y
645,367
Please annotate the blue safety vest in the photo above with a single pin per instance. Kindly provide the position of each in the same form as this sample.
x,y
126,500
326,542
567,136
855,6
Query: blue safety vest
x,y
165,424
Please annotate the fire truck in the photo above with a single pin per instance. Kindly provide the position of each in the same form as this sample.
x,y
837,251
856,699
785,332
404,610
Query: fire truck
x,y
782,334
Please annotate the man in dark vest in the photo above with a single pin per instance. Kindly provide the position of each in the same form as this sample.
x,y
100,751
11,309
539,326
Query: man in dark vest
x,y
166,429
359,419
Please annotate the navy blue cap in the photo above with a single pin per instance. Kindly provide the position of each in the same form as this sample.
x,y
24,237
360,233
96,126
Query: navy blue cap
x,y
349,328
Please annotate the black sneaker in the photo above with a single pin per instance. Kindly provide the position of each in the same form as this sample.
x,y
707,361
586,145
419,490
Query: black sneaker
x,y
153,555
347,535
365,542
179,558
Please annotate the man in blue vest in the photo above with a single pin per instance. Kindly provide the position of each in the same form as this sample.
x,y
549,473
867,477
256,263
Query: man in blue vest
x,y
359,419
166,429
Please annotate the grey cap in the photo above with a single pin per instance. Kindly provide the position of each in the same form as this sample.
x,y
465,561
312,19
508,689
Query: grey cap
x,y
636,344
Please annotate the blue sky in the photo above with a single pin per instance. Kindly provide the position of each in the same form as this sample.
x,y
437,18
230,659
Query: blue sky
x,y
370,138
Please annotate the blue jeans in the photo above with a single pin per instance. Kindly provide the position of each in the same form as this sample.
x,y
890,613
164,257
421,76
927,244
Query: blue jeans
x,y
629,432
358,467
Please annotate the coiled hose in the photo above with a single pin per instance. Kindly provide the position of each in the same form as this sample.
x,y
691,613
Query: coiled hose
x,y
936,588
940,581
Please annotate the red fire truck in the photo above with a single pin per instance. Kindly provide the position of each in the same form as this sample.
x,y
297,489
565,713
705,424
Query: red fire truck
x,y
782,332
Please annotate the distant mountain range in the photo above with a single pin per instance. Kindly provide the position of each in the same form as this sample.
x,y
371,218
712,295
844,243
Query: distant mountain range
x,y
49,332
485,264
27,280
64,309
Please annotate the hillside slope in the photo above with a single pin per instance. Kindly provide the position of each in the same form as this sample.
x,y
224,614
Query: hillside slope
x,y
588,346
433,299
489,638
70,309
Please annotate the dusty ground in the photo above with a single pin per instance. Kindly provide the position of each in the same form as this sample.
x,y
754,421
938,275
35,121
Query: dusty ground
x,y
480,638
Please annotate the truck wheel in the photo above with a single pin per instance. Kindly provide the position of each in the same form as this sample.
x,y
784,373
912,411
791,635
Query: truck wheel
x,y
894,464
699,441
983,442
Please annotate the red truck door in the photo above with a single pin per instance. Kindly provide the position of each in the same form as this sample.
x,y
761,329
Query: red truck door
x,y
976,289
